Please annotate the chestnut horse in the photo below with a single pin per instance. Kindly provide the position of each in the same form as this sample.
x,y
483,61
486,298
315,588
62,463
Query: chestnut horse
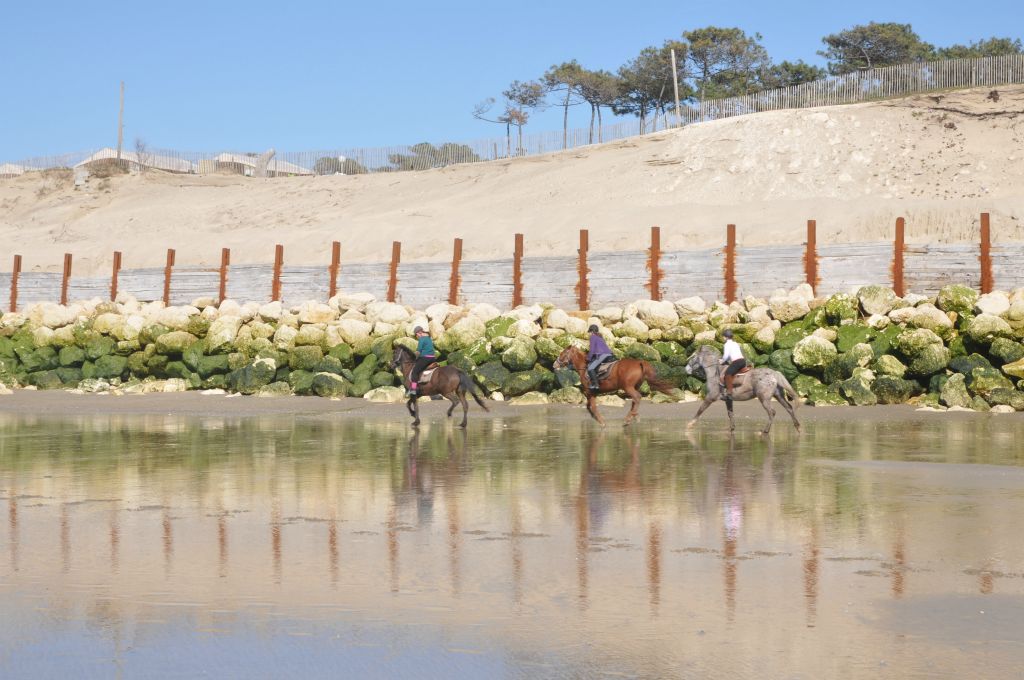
x,y
448,381
626,375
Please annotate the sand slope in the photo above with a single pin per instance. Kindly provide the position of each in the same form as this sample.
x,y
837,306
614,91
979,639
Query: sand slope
x,y
939,160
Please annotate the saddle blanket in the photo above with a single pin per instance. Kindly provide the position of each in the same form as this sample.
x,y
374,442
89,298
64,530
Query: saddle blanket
x,y
739,379
604,369
428,373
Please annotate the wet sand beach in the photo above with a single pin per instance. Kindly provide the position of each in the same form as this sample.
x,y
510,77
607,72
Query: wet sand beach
x,y
183,535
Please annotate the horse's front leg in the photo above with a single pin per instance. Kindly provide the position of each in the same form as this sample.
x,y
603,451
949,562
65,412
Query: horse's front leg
x,y
408,405
592,407
708,401
732,416
416,412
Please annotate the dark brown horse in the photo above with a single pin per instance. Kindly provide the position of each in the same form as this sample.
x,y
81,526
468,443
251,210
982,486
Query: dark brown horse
x,y
626,375
448,381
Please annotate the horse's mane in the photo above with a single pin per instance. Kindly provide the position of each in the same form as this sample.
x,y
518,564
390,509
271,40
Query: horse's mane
x,y
405,351
709,349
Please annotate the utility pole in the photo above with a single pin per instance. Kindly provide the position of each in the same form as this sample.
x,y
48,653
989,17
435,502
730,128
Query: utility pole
x,y
675,88
120,124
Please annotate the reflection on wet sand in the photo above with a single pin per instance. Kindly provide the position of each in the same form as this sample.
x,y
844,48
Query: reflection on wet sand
x,y
529,540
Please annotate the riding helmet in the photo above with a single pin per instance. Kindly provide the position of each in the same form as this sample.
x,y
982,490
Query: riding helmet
x,y
593,328
727,333
418,329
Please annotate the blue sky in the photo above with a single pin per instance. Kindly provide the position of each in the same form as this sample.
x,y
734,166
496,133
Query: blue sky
x,y
318,75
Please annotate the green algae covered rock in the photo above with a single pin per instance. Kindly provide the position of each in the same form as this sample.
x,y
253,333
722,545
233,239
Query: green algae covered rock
x,y
954,392
782,361
985,328
1004,350
877,299
301,382
826,395
852,334
111,366
330,385
790,334
966,364
956,298
889,365
100,346
982,381
250,378
305,357
813,353
498,327
71,356
805,384
891,389
566,395
522,382
520,355
173,342
491,375
639,350
841,308
1014,369
857,388
547,349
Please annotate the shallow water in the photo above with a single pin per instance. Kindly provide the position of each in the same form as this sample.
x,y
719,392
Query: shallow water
x,y
531,546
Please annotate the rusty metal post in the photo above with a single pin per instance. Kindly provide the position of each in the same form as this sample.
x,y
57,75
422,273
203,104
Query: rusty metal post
x,y
811,255
517,272
897,257
396,257
730,263
654,264
65,278
583,287
335,266
15,274
168,268
453,283
225,262
114,275
987,282
275,285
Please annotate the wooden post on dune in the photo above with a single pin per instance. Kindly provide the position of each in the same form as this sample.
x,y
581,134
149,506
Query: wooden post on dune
x,y
225,262
275,285
65,279
730,263
15,274
114,275
985,257
454,280
332,289
811,255
168,268
517,272
654,264
396,257
897,257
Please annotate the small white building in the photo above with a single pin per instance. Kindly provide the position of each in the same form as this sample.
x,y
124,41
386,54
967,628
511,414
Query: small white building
x,y
8,170
133,161
244,164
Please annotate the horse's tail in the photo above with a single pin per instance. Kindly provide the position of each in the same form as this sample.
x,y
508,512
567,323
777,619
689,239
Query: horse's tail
x,y
786,391
654,381
466,383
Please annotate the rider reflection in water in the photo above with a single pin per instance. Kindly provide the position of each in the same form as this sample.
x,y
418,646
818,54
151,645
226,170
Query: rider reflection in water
x,y
425,355
732,356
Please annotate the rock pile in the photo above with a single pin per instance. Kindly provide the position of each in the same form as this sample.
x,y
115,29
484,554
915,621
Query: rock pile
x,y
872,347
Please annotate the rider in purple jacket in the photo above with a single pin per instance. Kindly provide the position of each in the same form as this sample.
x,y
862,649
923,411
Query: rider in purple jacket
x,y
598,354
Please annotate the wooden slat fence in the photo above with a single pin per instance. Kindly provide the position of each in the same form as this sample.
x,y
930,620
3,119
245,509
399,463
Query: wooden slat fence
x,y
601,278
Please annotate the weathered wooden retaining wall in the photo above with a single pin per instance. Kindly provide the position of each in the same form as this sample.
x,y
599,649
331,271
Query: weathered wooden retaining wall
x,y
583,281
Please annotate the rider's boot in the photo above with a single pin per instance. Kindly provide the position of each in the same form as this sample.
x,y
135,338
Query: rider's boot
x,y
728,387
411,392
594,385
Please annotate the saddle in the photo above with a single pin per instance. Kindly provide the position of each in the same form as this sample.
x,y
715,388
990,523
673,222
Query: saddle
x,y
604,368
428,372
738,379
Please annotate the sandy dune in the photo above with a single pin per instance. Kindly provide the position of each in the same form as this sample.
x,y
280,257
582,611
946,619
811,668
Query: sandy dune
x,y
939,160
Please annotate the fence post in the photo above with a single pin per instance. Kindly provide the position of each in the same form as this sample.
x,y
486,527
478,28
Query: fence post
x,y
583,288
897,257
987,283
225,262
730,263
811,255
113,275
15,273
654,264
396,257
453,284
335,266
517,272
275,285
167,276
65,278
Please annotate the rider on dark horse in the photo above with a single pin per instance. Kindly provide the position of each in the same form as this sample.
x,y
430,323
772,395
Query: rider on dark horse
x,y
732,356
598,354
425,355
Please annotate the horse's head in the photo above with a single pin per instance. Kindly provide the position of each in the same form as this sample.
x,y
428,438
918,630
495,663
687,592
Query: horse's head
x,y
400,353
701,360
570,356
